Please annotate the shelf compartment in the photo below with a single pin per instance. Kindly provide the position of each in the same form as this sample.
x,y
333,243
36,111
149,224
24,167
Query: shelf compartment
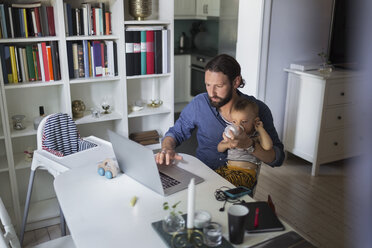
x,y
87,118
30,39
95,79
149,111
28,131
3,164
32,84
148,76
148,22
20,162
92,37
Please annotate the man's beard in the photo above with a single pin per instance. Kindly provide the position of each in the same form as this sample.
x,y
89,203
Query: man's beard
x,y
222,101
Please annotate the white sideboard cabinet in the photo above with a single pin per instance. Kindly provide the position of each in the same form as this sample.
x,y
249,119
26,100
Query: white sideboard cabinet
x,y
318,125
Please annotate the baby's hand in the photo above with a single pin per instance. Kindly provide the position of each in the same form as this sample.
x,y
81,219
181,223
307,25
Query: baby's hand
x,y
259,125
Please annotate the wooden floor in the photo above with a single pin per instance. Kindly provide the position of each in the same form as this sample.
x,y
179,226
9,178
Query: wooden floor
x,y
314,206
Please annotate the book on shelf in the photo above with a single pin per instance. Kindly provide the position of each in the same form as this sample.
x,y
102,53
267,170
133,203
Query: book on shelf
x,y
26,20
150,52
158,63
143,52
30,62
136,52
81,72
97,61
129,53
45,61
153,56
165,51
75,60
3,66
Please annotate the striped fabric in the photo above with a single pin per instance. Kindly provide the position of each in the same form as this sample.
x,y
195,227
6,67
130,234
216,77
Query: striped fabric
x,y
61,136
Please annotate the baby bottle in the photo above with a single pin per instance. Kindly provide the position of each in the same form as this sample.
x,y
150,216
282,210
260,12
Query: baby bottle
x,y
235,130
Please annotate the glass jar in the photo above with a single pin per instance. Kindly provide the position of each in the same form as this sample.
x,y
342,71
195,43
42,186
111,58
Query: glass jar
x,y
174,222
17,122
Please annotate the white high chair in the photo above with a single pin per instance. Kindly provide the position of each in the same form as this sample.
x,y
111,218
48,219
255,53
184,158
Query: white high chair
x,y
9,237
60,148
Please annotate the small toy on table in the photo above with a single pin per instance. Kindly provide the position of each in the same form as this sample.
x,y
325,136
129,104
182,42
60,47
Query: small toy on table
x,y
109,168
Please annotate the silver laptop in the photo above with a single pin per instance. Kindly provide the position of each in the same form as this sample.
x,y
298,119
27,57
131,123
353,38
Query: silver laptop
x,y
138,162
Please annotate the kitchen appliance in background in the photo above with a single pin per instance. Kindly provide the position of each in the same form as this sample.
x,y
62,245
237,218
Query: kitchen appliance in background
x,y
198,62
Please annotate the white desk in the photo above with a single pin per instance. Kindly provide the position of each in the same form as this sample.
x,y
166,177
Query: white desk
x,y
98,212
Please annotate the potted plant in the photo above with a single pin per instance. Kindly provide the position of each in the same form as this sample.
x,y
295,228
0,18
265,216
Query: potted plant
x,y
173,222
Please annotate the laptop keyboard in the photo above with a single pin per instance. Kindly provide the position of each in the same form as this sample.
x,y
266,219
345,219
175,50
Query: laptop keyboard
x,y
167,181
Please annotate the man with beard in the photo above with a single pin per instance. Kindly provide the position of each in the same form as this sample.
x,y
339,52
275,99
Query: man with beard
x,y
210,113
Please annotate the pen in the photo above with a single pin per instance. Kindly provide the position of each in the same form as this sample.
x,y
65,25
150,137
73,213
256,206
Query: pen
x,y
256,217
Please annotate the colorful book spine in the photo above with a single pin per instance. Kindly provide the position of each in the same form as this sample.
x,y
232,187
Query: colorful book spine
x,y
38,23
14,64
25,22
80,61
8,63
165,50
51,27
3,21
143,52
25,66
30,63
50,63
97,58
90,60
45,61
41,61
75,60
86,58
150,52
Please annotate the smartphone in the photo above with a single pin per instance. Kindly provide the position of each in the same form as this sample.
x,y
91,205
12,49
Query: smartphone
x,y
237,192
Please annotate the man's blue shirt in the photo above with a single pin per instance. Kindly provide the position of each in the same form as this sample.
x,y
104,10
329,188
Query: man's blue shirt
x,y
199,113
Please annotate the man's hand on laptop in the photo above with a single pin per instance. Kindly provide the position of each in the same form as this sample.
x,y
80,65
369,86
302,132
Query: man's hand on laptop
x,y
167,156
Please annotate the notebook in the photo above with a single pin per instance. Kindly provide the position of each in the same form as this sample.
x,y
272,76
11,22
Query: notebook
x,y
267,219
138,162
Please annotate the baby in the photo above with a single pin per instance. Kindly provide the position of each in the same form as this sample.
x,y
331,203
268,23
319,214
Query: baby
x,y
242,165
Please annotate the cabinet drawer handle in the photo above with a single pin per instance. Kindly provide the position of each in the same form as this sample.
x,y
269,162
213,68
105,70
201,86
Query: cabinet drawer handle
x,y
335,143
339,117
342,93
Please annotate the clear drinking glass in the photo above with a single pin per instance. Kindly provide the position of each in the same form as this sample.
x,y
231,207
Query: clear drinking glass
x,y
212,234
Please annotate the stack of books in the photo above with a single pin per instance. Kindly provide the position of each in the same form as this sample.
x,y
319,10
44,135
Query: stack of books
x,y
145,138
26,20
89,19
92,59
31,62
147,50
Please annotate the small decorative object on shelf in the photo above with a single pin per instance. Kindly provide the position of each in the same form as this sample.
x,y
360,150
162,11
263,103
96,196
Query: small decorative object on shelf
x,y
325,68
78,108
38,119
95,113
140,9
29,154
106,105
155,99
17,122
173,222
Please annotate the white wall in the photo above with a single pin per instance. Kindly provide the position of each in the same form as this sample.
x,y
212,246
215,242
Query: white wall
x,y
299,30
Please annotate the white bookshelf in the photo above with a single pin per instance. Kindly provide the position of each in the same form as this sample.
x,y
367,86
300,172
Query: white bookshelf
x,y
56,96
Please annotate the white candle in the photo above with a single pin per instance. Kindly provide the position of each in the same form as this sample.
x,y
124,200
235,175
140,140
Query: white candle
x,y
153,90
191,204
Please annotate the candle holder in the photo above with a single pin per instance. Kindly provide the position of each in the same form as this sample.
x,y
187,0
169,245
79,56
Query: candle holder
x,y
188,238
155,103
